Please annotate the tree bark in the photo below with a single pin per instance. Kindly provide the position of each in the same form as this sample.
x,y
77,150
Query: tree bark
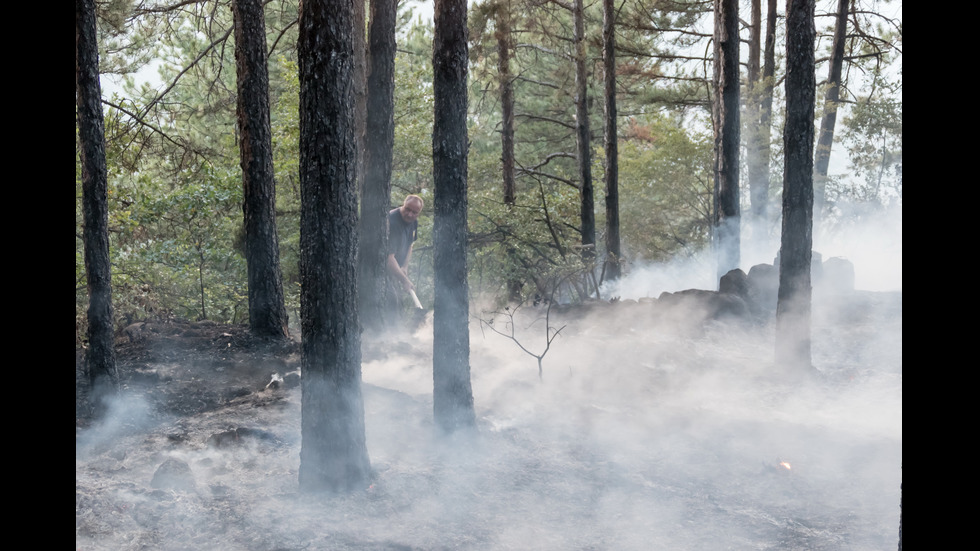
x,y
361,90
333,455
452,392
503,35
760,194
266,301
376,189
506,83
825,140
614,255
901,511
758,166
100,358
793,302
584,135
727,226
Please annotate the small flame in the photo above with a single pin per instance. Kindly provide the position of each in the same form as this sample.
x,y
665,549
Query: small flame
x,y
785,465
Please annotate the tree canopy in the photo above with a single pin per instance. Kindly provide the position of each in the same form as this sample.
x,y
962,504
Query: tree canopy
x,y
173,164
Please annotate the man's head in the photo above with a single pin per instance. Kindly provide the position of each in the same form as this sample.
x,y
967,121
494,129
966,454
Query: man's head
x,y
411,208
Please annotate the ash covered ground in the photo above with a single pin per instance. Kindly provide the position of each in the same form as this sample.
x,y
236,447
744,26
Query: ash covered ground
x,y
645,432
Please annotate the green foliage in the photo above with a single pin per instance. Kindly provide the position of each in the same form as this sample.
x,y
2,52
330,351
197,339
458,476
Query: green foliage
x,y
414,101
873,138
665,189
174,248
664,167
872,127
175,182
285,146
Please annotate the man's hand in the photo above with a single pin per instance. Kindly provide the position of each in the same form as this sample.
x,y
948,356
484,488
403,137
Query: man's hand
x,y
401,274
407,284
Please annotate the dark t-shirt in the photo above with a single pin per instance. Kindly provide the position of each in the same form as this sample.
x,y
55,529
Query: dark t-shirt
x,y
401,235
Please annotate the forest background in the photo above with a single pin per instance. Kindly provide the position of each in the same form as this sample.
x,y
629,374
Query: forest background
x,y
175,183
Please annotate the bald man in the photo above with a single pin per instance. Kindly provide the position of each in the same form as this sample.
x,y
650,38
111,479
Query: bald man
x,y
403,228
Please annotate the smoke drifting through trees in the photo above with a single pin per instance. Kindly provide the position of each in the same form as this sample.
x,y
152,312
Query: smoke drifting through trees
x,y
641,435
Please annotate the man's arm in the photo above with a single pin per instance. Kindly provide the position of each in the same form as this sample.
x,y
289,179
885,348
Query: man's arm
x,y
408,257
399,274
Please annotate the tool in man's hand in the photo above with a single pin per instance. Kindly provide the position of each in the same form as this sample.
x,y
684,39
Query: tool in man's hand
x,y
415,299
419,315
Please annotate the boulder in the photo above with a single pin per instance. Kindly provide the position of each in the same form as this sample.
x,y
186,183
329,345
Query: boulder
x,y
174,474
735,282
697,305
838,276
763,289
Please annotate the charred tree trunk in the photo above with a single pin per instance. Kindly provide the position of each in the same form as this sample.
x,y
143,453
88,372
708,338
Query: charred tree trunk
x,y
760,193
793,302
755,54
452,391
758,167
584,135
614,256
333,456
360,86
727,226
503,35
266,302
825,140
376,189
100,356
901,511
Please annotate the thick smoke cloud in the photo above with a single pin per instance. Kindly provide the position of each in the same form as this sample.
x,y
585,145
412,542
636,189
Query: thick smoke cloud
x,y
640,435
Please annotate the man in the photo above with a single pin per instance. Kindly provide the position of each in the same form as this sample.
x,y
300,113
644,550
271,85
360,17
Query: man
x,y
403,227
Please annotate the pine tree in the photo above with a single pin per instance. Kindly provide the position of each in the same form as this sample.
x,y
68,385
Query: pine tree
x,y
100,359
334,455
452,393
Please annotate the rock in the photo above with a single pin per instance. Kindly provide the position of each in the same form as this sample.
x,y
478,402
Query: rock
x,y
292,379
763,283
135,331
174,474
735,282
695,306
838,276
237,437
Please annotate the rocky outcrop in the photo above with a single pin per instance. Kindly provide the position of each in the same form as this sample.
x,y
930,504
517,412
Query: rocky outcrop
x,y
748,297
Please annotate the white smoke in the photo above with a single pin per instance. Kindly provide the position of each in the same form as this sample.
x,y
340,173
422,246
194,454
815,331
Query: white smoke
x,y
640,435
871,241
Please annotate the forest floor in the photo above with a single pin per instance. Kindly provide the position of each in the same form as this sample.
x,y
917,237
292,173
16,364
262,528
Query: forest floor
x,y
187,368
639,436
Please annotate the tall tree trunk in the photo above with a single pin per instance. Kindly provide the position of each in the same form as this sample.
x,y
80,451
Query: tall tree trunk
x,y
758,168
831,98
266,302
503,36
376,189
760,194
793,302
360,86
333,455
755,44
901,511
584,135
452,391
727,226
100,357
614,256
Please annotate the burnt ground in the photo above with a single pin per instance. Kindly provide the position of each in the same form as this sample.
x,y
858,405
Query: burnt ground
x,y
649,430
187,368
183,368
